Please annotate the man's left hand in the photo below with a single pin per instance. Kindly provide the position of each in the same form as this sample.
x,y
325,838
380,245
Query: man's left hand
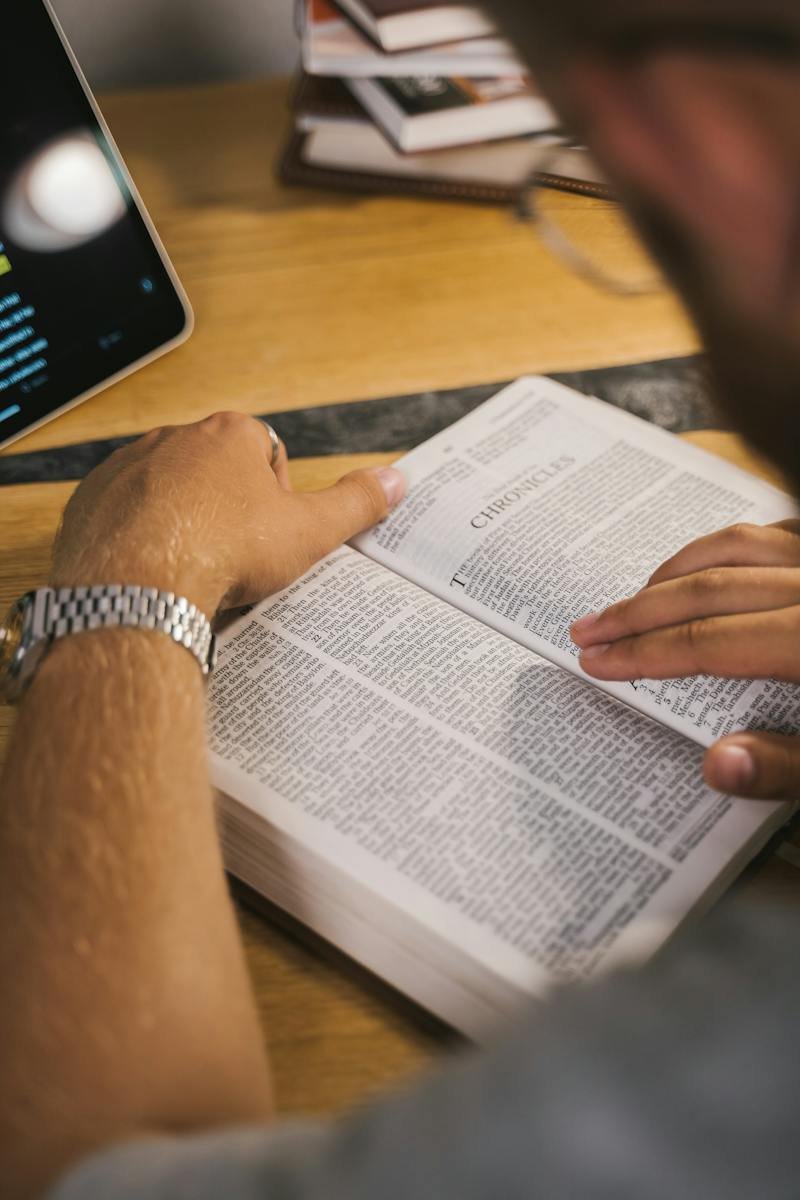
x,y
726,605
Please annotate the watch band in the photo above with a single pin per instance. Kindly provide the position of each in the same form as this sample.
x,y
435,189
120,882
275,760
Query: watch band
x,y
76,610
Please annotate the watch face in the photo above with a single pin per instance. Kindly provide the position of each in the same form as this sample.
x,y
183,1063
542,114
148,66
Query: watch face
x,y
11,637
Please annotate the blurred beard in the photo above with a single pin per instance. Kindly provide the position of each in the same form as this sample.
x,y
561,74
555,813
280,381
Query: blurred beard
x,y
756,378
754,360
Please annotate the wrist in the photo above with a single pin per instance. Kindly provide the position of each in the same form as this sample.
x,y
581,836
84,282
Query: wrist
x,y
122,651
190,583
44,618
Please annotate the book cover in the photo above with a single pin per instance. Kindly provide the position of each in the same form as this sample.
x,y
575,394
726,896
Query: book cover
x,y
423,94
434,112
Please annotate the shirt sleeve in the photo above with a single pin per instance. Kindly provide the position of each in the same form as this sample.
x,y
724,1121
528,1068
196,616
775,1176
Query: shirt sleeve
x,y
677,1080
241,1164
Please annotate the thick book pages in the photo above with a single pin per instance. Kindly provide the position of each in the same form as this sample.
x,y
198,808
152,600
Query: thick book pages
x,y
435,112
405,24
332,45
467,817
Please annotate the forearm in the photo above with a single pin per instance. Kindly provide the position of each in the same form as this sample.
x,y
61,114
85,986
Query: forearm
x,y
125,1005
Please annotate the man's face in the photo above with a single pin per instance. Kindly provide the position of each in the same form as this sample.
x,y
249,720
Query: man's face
x,y
694,112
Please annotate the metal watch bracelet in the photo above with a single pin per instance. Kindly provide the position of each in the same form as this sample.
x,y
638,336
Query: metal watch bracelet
x,y
76,610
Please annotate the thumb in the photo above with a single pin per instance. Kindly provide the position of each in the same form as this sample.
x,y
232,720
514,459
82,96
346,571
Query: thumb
x,y
357,502
763,766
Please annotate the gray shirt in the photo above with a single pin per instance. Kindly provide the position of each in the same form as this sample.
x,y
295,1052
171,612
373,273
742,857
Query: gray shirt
x,y
680,1080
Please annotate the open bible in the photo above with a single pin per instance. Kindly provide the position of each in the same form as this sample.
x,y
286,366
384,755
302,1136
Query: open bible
x,y
409,758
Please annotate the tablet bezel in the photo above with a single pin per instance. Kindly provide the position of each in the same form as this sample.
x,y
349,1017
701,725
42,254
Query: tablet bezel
x,y
180,293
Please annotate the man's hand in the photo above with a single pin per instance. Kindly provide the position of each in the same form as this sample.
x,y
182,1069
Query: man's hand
x,y
726,605
198,510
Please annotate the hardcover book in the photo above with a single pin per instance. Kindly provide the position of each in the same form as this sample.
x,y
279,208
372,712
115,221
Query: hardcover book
x,y
406,24
433,112
333,45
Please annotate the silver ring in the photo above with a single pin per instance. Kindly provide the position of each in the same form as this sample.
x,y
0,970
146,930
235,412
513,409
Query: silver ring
x,y
276,443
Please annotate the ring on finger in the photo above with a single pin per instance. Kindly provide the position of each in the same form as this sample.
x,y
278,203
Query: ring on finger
x,y
275,442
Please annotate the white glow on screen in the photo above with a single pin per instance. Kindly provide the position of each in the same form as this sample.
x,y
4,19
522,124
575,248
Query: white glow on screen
x,y
65,195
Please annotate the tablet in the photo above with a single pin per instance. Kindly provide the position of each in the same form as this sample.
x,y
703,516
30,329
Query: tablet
x,y
87,293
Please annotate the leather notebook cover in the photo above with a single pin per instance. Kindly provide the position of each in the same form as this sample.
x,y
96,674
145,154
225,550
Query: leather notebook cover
x,y
292,169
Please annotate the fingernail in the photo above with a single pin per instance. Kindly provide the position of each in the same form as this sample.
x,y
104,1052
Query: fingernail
x,y
584,626
734,768
393,483
593,652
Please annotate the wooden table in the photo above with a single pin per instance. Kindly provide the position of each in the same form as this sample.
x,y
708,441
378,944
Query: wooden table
x,y
306,298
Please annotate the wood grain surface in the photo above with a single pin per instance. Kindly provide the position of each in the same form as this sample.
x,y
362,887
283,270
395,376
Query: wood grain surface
x,y
305,297
312,298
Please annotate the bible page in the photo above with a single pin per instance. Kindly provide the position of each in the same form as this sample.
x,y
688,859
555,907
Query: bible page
x,y
515,812
544,505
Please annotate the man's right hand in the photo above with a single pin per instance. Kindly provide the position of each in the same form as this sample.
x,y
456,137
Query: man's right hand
x,y
199,511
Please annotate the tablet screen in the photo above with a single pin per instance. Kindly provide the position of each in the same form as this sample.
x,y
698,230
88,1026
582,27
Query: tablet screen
x,y
84,292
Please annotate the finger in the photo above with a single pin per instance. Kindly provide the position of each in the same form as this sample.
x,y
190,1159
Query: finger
x,y
233,426
278,463
717,591
737,546
746,646
357,502
258,430
309,525
763,766
792,525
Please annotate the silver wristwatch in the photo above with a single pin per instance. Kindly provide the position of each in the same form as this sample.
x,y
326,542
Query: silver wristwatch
x,y
40,618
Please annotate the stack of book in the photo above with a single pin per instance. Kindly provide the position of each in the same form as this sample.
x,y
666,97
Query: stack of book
x,y
421,96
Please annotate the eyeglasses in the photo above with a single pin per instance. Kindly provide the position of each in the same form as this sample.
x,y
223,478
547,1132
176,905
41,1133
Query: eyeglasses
x,y
600,265
617,263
